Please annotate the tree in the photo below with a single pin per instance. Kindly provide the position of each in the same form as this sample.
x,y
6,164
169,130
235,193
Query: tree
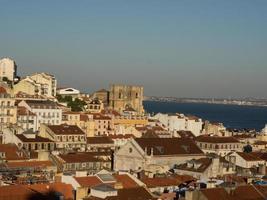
x,y
247,149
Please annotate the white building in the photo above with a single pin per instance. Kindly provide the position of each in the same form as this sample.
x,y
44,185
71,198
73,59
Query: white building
x,y
180,122
218,145
47,112
26,119
8,69
68,92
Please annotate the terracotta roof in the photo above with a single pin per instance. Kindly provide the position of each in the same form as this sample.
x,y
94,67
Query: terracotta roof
x,y
110,112
250,192
126,181
37,138
88,181
98,116
62,188
84,117
199,165
99,140
120,136
249,156
168,146
29,164
84,157
216,139
36,191
42,104
215,193
2,90
139,193
12,152
65,129
186,134
91,181
260,143
24,111
161,182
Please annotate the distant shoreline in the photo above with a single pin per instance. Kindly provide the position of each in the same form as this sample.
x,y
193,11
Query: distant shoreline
x,y
206,101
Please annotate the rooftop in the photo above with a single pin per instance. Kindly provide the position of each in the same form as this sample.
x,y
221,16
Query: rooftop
x,y
168,146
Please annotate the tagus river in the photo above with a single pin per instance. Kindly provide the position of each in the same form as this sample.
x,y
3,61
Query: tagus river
x,y
232,116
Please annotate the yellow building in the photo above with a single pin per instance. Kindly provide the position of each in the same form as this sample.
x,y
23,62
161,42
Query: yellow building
x,y
84,121
27,86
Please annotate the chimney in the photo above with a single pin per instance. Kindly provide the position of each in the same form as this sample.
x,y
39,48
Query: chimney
x,y
118,186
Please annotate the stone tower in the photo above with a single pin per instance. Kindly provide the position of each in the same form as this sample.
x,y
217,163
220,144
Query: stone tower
x,y
123,97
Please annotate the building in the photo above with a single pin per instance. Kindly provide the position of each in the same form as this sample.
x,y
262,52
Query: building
x,y
8,111
102,95
246,160
139,153
180,122
98,143
8,69
27,86
26,119
28,140
123,96
94,106
47,82
214,128
47,111
245,192
91,162
104,125
74,93
84,184
10,152
205,169
33,142
65,136
83,120
218,145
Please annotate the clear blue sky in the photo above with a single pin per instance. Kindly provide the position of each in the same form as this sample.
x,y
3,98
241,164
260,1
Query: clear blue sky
x,y
183,48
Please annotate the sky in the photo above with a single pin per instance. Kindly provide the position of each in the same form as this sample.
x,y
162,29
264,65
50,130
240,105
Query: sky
x,y
180,48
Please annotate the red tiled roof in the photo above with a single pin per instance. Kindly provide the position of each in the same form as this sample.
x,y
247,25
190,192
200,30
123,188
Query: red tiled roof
x,y
84,157
215,193
126,181
24,111
2,90
29,164
12,152
36,139
88,181
169,146
203,163
249,156
120,136
98,116
65,129
216,139
26,192
99,140
139,193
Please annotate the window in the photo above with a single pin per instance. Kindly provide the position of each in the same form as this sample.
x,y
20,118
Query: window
x,y
130,150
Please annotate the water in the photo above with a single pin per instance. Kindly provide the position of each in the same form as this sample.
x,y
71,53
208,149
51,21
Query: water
x,y
232,116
